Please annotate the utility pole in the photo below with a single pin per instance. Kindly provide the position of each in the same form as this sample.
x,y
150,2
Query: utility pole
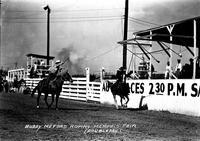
x,y
0,35
48,32
125,38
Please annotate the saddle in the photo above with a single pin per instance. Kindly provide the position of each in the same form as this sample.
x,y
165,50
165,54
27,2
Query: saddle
x,y
47,82
121,88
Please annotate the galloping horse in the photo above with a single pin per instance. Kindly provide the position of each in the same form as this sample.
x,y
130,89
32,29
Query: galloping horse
x,y
122,90
53,88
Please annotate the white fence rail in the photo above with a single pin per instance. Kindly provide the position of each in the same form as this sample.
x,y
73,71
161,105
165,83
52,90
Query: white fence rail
x,y
75,90
80,89
94,91
32,83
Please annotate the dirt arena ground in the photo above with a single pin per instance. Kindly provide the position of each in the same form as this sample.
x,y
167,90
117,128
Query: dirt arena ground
x,y
20,120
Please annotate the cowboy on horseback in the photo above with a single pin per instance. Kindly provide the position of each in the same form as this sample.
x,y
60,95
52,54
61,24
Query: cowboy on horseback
x,y
55,70
119,76
120,88
53,73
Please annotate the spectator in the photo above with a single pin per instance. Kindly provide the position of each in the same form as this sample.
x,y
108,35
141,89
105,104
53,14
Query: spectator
x,y
168,70
6,85
42,63
150,70
190,71
15,83
38,62
178,68
130,75
35,69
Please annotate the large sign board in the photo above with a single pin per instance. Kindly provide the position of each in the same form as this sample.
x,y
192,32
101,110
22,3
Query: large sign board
x,y
184,88
174,95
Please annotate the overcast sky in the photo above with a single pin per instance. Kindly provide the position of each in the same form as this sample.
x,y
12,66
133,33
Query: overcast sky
x,y
85,30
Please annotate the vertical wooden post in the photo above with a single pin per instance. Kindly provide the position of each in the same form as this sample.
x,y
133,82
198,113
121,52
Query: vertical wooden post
x,y
171,47
170,29
150,50
48,35
102,74
1,58
48,31
195,48
87,82
125,38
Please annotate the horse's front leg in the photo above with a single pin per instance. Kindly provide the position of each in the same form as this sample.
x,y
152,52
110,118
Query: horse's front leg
x,y
19,88
51,101
57,97
116,105
127,101
38,99
141,101
121,100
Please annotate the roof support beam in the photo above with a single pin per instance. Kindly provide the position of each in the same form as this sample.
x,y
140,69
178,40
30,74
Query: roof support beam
x,y
143,51
166,35
128,43
172,50
190,50
134,54
163,48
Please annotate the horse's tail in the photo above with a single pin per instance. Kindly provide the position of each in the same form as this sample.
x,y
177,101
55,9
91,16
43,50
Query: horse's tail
x,y
110,84
34,90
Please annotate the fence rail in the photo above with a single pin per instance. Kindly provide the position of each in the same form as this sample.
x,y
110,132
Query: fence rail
x,y
80,89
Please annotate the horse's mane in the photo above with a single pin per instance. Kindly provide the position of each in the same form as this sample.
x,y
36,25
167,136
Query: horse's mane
x,y
64,72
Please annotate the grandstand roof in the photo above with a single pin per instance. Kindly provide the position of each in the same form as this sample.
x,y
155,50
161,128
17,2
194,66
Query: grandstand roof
x,y
39,56
182,33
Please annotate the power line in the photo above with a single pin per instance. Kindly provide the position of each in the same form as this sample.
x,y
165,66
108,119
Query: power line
x,y
66,11
84,17
143,21
102,54
103,9
61,21
144,24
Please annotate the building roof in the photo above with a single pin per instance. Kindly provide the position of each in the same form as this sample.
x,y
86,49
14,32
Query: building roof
x,y
182,33
39,56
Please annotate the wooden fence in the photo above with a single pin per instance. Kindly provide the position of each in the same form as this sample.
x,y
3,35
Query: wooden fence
x,y
81,88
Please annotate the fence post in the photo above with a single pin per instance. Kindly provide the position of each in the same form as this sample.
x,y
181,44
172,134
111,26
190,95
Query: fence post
x,y
87,83
102,71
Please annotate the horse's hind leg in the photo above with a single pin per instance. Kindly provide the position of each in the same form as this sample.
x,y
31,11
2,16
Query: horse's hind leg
x,y
114,96
45,99
34,90
51,101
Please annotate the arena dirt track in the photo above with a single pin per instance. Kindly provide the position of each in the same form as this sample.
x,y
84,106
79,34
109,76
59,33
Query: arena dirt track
x,y
20,120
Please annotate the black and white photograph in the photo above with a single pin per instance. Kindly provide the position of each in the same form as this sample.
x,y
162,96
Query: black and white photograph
x,y
99,70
